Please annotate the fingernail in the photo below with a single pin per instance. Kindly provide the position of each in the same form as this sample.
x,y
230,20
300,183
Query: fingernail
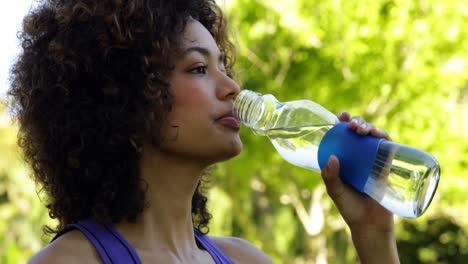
x,y
340,113
354,121
331,163
364,126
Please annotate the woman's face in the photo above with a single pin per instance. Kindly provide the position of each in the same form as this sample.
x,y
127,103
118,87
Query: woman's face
x,y
201,125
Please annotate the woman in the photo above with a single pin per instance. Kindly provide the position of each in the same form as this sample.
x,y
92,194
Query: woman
x,y
122,105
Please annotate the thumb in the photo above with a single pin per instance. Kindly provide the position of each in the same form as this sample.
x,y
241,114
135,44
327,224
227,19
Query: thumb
x,y
335,187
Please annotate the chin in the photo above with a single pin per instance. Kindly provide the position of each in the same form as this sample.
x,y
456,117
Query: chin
x,y
236,145
234,149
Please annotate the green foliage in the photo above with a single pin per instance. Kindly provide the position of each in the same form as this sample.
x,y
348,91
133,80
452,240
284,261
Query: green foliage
x,y
437,239
21,212
402,65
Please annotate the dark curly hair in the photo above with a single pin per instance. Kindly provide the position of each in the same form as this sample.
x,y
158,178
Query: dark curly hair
x,y
86,90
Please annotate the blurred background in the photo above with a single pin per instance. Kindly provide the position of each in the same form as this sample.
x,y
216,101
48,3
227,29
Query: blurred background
x,y
402,65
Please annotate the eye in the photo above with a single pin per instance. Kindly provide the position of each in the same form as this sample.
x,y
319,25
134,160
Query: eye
x,y
199,69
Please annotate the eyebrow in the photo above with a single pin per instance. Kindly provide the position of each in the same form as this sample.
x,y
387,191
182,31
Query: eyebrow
x,y
204,51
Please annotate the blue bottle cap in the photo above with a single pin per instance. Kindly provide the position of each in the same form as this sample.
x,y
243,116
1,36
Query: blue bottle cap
x,y
356,153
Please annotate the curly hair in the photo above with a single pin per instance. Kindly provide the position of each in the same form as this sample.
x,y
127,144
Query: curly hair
x,y
86,90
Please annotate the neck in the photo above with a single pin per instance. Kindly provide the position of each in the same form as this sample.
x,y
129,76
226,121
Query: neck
x,y
167,221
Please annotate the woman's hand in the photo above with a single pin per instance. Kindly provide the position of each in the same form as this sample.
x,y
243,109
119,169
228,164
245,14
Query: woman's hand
x,y
371,225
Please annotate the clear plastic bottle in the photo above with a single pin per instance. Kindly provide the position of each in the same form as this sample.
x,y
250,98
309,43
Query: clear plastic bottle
x,y
403,179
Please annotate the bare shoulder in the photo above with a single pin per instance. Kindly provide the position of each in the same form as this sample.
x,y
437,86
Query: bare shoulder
x,y
72,247
241,251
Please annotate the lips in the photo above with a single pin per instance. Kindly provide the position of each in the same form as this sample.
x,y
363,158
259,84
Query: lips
x,y
229,120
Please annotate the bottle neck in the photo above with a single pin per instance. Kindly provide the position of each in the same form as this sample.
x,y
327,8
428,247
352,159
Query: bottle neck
x,y
248,107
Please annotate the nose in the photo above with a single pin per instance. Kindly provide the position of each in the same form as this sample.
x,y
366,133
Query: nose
x,y
227,88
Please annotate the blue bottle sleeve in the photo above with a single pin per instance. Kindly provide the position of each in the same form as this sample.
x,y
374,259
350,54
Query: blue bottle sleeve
x,y
356,153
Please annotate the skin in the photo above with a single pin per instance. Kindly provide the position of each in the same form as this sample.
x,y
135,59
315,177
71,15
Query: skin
x,y
371,225
200,133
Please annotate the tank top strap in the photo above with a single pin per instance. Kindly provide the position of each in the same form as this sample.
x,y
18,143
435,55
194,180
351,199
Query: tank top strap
x,y
110,245
216,253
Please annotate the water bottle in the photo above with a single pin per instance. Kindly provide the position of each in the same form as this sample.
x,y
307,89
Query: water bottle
x,y
401,178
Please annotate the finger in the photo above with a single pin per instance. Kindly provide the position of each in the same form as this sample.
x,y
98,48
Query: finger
x,y
380,133
335,187
365,128
359,125
344,116
355,122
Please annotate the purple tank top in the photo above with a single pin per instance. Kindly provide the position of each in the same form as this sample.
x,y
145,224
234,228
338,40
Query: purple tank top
x,y
113,248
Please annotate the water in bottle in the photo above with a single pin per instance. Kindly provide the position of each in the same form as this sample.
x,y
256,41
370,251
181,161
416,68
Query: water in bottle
x,y
299,145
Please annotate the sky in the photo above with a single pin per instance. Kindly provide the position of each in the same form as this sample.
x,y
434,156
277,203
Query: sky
x,y
11,17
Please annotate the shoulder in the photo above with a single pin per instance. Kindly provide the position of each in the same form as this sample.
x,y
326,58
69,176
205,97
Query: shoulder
x,y
240,250
72,247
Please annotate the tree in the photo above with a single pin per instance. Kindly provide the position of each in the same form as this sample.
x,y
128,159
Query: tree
x,y
399,64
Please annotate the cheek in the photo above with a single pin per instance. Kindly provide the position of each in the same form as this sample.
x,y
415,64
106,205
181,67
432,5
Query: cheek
x,y
189,103
190,93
